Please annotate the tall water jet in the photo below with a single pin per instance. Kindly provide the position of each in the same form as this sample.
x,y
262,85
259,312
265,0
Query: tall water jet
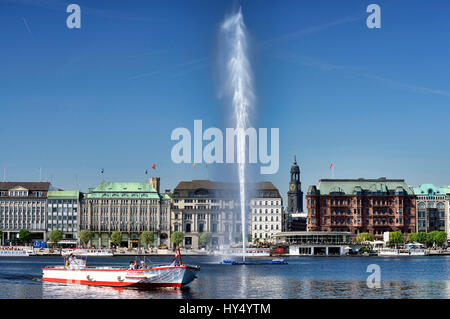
x,y
239,88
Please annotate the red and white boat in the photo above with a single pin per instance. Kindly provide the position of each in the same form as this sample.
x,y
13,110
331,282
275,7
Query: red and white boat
x,y
175,275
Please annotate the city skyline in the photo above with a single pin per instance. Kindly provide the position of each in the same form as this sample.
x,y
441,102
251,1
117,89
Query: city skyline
x,y
372,102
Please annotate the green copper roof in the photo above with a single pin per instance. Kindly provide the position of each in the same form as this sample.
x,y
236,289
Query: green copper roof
x,y
368,186
63,194
124,190
430,189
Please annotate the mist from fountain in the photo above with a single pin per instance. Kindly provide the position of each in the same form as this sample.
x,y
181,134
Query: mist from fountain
x,y
240,89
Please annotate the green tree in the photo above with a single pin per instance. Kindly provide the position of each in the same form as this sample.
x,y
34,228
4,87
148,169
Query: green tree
x,y
396,238
204,239
436,237
1,237
362,237
177,237
116,238
412,237
430,238
86,236
421,237
147,238
364,249
440,238
55,236
25,236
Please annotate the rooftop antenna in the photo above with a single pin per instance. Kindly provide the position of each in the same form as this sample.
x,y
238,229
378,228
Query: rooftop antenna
x,y
4,173
40,174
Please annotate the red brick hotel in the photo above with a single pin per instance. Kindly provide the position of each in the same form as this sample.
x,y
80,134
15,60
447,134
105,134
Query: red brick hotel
x,y
361,205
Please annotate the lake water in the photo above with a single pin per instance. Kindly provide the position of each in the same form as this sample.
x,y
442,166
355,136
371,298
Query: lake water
x,y
303,277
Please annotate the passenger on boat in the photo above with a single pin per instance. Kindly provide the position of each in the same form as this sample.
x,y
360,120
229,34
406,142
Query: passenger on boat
x,y
132,265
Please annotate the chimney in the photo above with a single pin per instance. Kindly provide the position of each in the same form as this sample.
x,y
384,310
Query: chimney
x,y
154,181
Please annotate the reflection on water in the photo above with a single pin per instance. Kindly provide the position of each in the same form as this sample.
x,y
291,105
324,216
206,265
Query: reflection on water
x,y
409,277
52,290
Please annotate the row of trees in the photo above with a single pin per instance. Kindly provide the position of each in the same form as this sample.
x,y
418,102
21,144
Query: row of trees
x,y
146,238
437,238
434,238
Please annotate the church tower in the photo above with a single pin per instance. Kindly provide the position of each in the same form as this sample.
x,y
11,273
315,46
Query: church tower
x,y
295,194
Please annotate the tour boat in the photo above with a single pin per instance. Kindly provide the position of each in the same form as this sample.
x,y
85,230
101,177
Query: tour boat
x,y
402,252
249,252
87,252
16,252
175,275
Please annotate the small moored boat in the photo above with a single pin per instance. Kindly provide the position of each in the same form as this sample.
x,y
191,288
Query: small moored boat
x,y
249,252
276,261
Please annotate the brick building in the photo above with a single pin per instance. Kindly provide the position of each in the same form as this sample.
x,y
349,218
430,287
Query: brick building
x,y
361,205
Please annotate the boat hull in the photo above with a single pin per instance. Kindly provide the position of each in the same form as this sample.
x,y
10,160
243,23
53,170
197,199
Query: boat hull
x,y
165,276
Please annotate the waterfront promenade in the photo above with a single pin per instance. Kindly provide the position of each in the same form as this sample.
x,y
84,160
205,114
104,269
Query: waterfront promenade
x,y
188,252
116,252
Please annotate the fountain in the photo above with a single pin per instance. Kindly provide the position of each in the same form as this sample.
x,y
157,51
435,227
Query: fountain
x,y
239,85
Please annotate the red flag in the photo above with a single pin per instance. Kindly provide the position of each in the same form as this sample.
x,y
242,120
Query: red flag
x,y
177,253
154,166
331,166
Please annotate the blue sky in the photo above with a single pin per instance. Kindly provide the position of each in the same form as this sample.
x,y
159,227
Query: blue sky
x,y
373,102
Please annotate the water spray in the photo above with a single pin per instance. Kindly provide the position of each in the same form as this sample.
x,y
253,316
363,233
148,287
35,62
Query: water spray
x,y
239,85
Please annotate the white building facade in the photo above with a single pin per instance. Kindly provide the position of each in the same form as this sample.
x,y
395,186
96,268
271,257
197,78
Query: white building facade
x,y
266,218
